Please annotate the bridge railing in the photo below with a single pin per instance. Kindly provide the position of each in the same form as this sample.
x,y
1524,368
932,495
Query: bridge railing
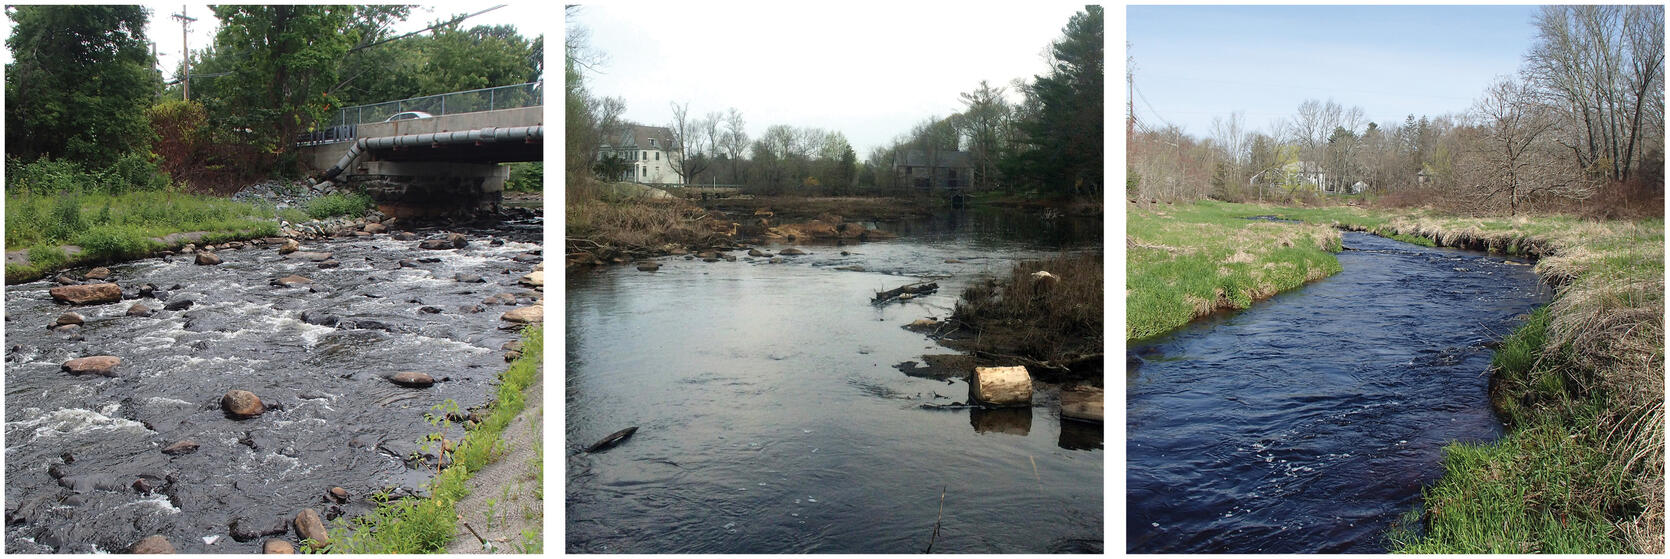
x,y
341,128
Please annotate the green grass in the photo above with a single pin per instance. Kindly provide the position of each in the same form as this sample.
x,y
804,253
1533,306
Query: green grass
x,y
525,177
426,525
1185,261
110,227
338,203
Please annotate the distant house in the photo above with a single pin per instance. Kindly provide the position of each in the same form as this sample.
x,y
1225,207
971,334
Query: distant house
x,y
647,151
1311,173
933,168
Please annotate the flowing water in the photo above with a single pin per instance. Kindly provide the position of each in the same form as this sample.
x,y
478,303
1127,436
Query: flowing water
x,y
75,445
772,418
1310,422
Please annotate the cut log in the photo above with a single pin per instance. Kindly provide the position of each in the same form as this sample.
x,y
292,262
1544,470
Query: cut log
x,y
1002,386
613,439
912,289
1083,403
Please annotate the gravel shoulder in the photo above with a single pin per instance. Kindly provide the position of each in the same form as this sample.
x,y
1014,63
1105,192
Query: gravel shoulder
x,y
505,506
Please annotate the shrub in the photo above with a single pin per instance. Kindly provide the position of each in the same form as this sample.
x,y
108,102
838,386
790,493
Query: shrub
x,y
525,177
338,204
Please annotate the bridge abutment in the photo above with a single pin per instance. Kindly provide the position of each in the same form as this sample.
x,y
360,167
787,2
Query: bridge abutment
x,y
428,188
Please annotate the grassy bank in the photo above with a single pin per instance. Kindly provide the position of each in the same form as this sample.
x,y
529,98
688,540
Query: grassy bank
x,y
603,228
1580,387
427,525
1054,321
101,228
1188,260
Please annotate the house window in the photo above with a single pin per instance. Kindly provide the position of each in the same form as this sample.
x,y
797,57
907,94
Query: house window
x,y
652,142
658,156
643,156
643,172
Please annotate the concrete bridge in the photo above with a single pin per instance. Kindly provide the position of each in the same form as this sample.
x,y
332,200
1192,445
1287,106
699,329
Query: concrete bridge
x,y
427,166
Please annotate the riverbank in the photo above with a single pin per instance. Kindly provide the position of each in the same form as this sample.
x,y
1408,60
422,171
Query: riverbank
x,y
1187,261
48,233
1581,391
1045,313
432,524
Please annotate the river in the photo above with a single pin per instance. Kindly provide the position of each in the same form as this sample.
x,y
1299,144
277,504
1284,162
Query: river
x,y
772,417
1311,421
75,445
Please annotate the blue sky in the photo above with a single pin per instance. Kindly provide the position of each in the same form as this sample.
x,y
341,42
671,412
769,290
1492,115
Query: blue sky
x,y
1196,62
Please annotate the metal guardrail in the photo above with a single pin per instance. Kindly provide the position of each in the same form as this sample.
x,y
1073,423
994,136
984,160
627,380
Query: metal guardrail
x,y
343,127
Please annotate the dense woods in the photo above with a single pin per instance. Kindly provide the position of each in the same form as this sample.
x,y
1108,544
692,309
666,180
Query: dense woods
x,y
86,106
1579,128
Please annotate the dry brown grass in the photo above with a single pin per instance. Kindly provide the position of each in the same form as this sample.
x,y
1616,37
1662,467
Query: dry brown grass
x,y
1053,321
600,231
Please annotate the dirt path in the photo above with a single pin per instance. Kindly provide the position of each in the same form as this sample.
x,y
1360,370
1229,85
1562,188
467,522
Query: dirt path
x,y
505,505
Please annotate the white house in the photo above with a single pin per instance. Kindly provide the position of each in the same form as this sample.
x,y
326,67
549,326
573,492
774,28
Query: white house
x,y
647,151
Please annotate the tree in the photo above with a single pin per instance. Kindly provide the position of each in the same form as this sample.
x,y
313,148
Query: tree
x,y
984,124
688,143
1512,158
285,60
79,84
736,141
1063,138
1602,68
590,122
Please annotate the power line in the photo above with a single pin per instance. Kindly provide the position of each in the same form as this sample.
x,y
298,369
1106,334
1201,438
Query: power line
x,y
430,28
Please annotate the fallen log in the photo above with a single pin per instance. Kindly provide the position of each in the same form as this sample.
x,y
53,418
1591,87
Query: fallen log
x,y
613,439
912,290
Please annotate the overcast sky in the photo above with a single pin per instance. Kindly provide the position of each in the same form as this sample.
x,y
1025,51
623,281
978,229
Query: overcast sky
x,y
530,18
1197,62
870,70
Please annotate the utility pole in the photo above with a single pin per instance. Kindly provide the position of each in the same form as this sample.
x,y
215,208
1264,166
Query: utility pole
x,y
185,52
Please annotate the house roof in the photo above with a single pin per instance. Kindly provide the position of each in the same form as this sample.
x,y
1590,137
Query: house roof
x,y
943,158
639,136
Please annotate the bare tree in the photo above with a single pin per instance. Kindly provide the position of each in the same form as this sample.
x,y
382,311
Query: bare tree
x,y
688,144
1512,158
1602,67
984,126
736,140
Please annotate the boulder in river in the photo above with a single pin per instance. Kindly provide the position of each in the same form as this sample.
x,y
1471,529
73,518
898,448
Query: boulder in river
x,y
405,236
408,264
320,318
276,546
646,266
104,365
241,404
525,315
435,244
329,264
244,529
791,251
64,279
88,294
152,545
375,228
290,245
310,527
68,318
179,305
139,309
206,258
338,494
468,278
1002,386
307,255
533,279
756,253
291,281
458,240
411,379
98,273
182,447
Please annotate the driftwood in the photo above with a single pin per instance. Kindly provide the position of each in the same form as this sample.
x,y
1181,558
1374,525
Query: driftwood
x,y
613,439
912,289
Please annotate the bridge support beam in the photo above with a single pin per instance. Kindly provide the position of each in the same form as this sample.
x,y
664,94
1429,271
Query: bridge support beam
x,y
428,188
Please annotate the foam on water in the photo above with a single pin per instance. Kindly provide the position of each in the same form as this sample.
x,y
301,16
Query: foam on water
x,y
69,422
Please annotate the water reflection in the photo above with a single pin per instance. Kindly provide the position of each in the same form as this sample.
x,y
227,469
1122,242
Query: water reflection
x,y
1009,421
